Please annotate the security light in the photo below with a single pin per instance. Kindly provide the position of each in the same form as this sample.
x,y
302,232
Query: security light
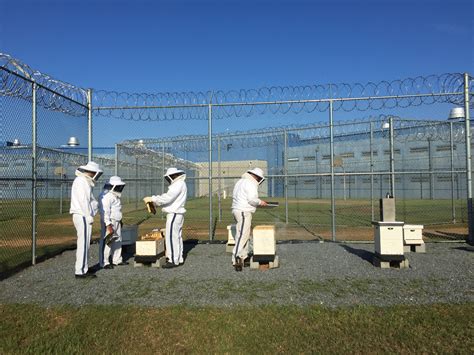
x,y
73,142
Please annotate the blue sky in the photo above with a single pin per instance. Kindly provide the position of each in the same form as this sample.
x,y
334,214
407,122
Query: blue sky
x,y
155,46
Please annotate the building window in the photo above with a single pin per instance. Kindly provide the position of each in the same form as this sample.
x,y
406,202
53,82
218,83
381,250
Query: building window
x,y
367,154
446,178
418,150
293,160
347,155
443,148
309,158
419,179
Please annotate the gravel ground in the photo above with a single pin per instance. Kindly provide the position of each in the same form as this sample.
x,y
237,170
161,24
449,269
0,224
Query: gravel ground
x,y
326,274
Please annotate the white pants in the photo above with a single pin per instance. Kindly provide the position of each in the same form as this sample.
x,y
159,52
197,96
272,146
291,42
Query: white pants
x,y
115,248
84,232
242,234
174,238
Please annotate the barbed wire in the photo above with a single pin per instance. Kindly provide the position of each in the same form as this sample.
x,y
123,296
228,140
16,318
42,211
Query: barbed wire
x,y
445,88
16,80
351,131
16,77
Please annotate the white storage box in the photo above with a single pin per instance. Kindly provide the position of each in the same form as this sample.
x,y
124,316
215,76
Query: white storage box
x,y
388,239
264,242
231,234
413,234
129,234
150,247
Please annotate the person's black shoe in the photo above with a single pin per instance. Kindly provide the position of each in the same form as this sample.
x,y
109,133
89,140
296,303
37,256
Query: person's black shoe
x,y
169,265
86,276
247,262
238,264
108,266
121,263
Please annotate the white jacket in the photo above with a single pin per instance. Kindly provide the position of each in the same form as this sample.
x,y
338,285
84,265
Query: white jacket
x,y
245,194
174,199
110,207
82,200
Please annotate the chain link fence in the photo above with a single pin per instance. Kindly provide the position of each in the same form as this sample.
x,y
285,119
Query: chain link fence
x,y
327,177
429,176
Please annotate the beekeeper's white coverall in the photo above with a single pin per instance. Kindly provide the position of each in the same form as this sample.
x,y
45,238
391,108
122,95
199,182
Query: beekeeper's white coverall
x,y
172,203
110,207
83,209
244,202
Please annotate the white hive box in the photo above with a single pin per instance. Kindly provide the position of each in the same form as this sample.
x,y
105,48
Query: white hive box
x,y
231,234
388,239
413,238
231,230
150,247
264,242
413,234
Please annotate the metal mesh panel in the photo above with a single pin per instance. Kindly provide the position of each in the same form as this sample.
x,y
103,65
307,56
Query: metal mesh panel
x,y
327,179
297,164
15,166
55,166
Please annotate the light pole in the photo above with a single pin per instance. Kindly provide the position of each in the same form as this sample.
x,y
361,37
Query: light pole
x,y
317,192
455,115
71,143
389,125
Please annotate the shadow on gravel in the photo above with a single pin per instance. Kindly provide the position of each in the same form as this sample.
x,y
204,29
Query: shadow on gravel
x,y
471,249
188,245
94,268
361,253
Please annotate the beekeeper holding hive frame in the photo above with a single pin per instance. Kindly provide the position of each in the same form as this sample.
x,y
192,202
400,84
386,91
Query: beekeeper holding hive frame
x,y
172,203
244,202
110,207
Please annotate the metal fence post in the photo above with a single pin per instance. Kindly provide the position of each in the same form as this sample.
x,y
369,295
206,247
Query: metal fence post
x,y
116,160
219,174
162,168
34,173
331,148
136,182
392,160
285,166
372,169
451,143
470,238
210,166
89,124
430,168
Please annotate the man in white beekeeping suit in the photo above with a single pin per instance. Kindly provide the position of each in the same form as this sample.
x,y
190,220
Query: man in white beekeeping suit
x,y
172,203
244,202
110,207
83,209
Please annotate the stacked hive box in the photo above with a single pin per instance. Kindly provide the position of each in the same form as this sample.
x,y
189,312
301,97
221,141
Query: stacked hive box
x,y
151,249
413,238
264,247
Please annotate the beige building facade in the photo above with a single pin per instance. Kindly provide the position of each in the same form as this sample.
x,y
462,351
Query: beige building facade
x,y
224,176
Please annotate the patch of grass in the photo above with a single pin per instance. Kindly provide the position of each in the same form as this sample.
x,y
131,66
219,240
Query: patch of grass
x,y
437,328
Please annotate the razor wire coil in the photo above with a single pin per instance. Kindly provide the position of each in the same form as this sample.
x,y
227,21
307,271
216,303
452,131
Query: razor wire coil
x,y
405,130
16,78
